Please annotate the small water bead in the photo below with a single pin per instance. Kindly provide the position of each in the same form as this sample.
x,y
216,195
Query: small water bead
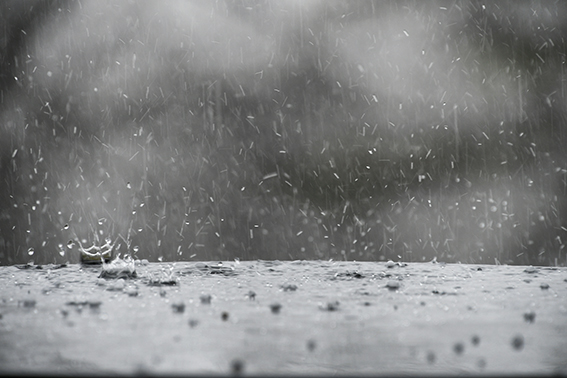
x,y
518,342
70,244
31,251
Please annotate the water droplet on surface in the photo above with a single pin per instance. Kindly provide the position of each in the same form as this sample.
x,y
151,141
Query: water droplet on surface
x,y
70,244
311,345
518,342
431,357
458,348
31,251
206,299
193,323
529,317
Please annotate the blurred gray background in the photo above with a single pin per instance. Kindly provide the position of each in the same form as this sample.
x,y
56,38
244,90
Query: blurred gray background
x,y
346,130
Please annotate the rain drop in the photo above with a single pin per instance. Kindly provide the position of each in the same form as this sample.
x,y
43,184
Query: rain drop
x,y
70,244
31,251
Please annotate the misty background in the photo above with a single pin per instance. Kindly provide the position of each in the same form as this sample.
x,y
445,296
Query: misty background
x,y
345,130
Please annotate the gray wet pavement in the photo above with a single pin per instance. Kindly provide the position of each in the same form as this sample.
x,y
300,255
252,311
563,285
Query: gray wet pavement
x,y
292,317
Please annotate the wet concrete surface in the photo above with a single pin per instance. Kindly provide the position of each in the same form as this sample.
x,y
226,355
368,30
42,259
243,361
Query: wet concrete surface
x,y
284,318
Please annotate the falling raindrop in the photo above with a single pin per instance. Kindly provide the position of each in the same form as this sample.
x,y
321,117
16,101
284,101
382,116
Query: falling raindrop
x,y
128,186
136,249
66,227
31,251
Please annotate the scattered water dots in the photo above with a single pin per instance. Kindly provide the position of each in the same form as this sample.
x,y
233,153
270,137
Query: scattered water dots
x,y
393,285
518,342
330,306
237,367
529,317
206,299
193,323
178,307
311,345
275,308
27,303
459,348
431,357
